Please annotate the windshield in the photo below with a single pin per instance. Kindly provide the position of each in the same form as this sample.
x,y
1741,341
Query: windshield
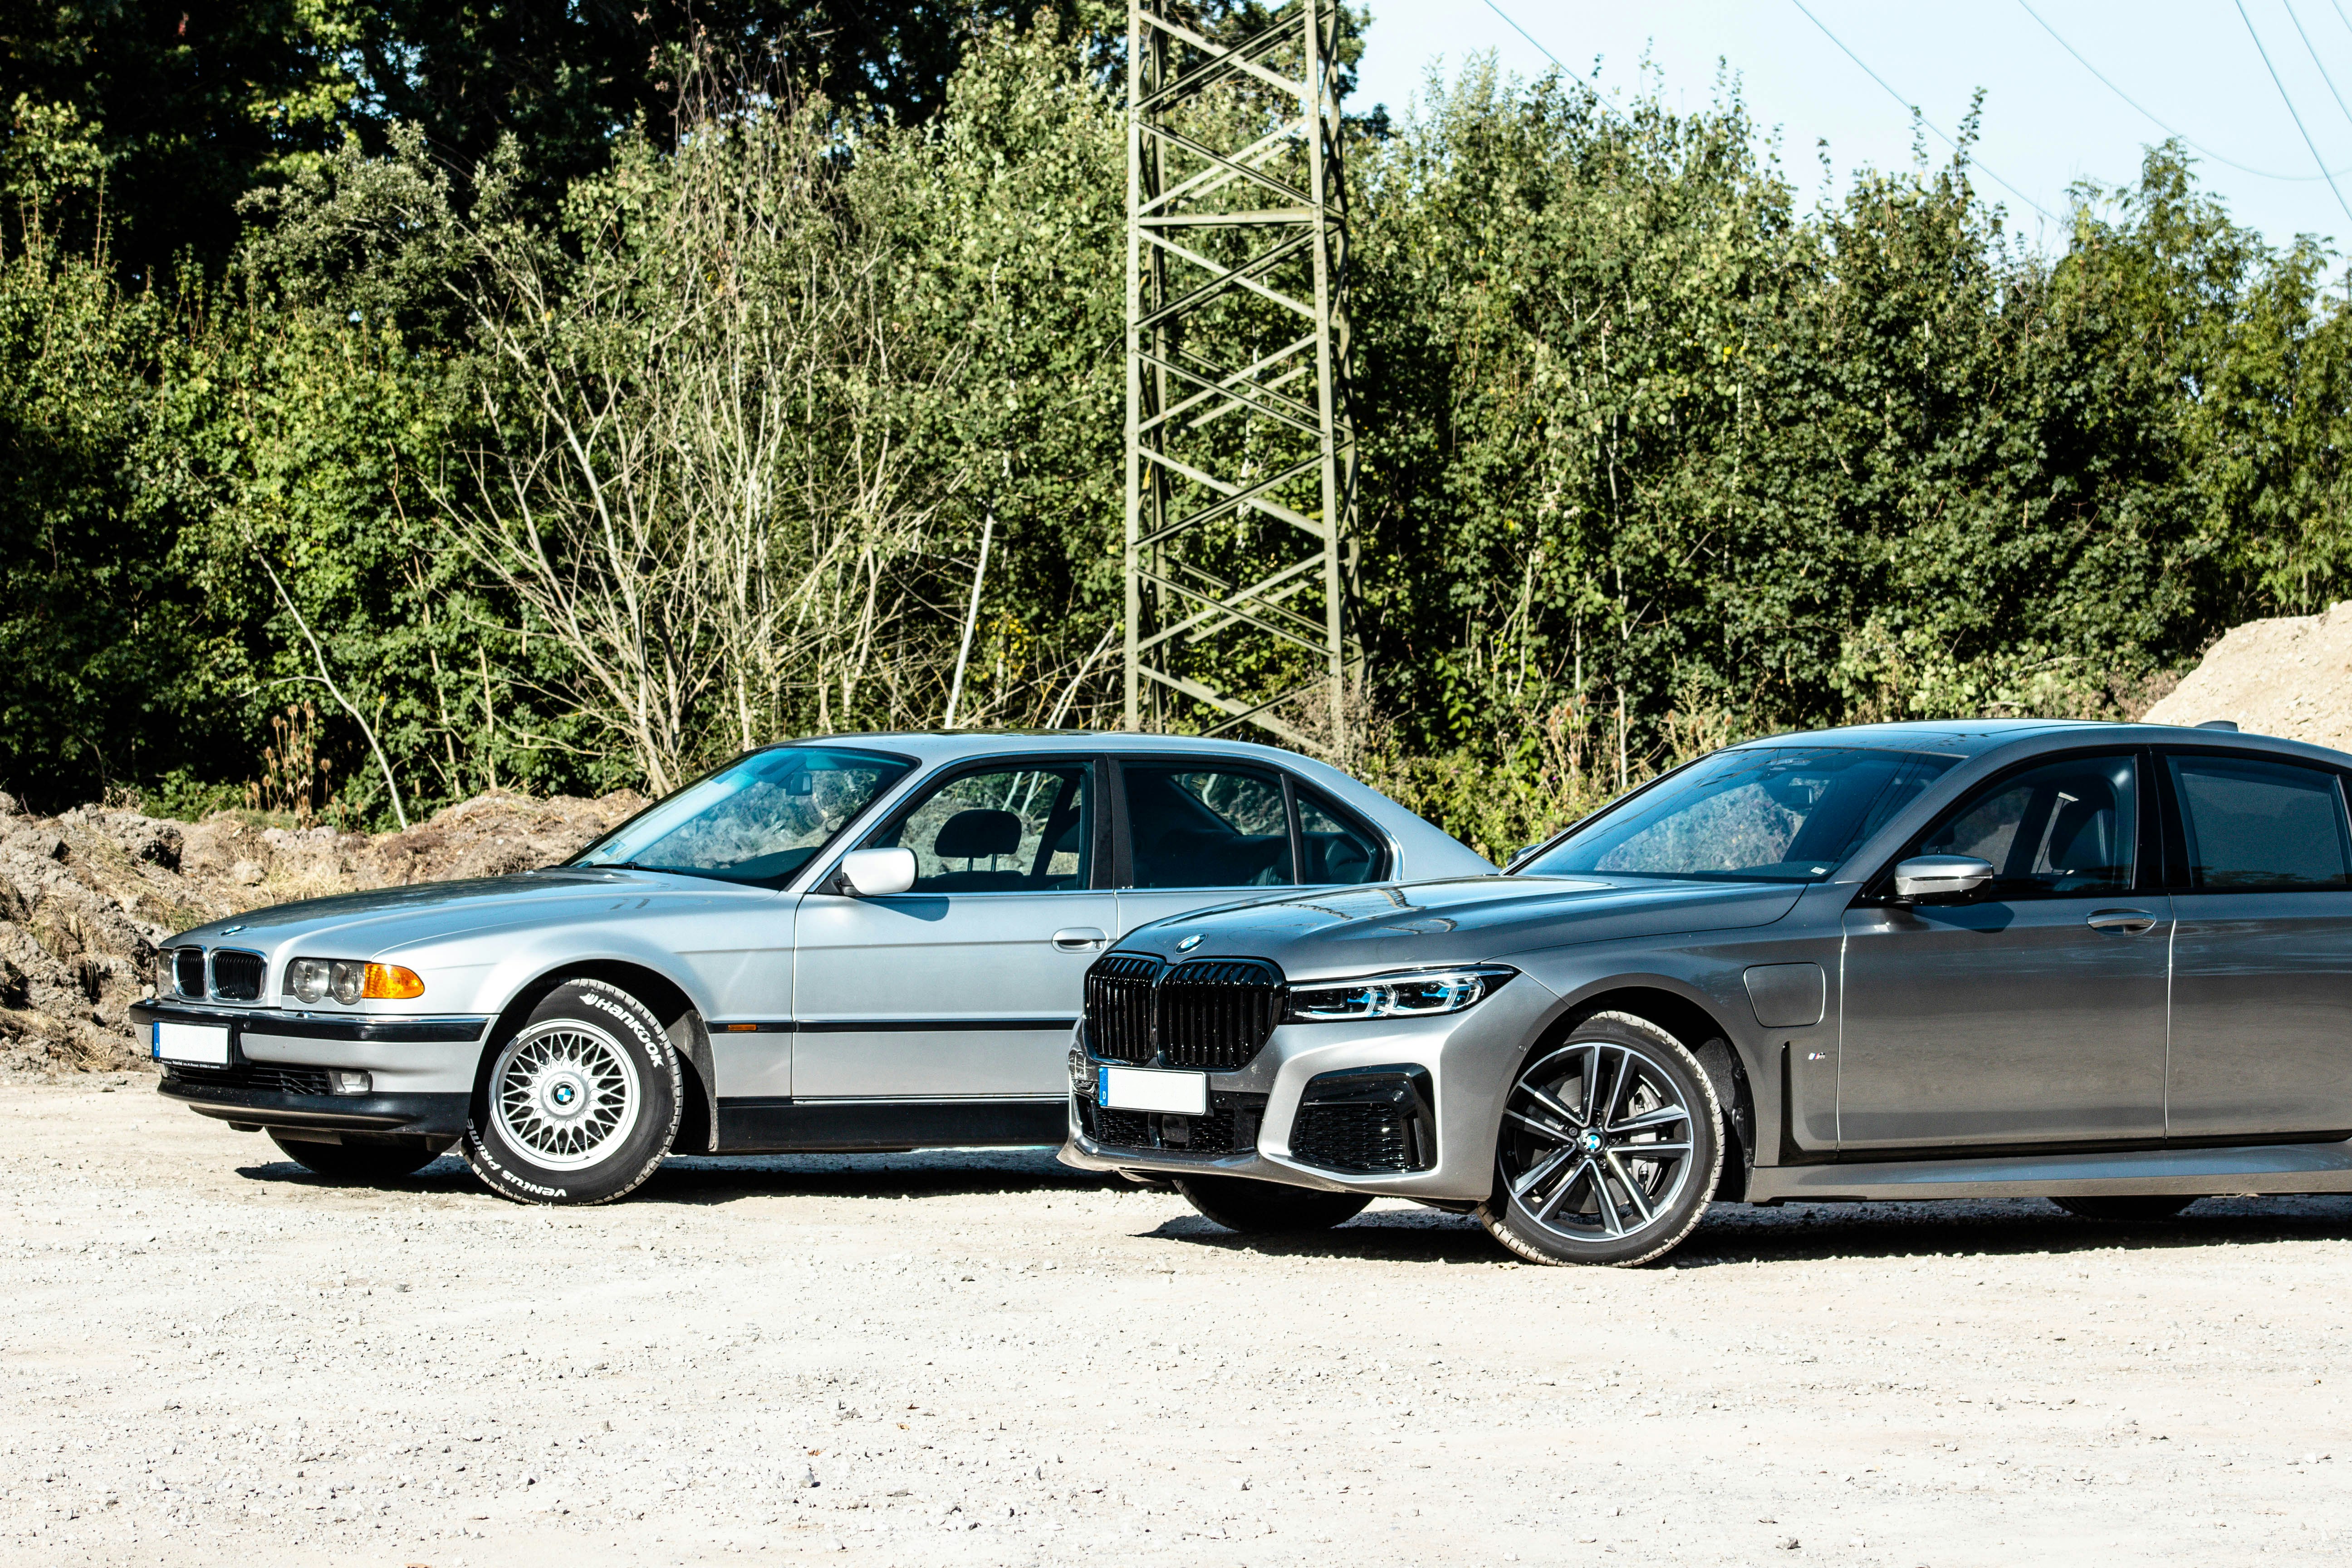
x,y
758,820
1765,813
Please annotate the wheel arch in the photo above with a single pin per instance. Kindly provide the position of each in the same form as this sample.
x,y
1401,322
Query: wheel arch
x,y
681,1019
1698,1024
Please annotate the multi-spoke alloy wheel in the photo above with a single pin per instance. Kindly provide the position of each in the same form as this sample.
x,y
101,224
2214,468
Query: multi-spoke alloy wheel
x,y
580,1104
1610,1147
566,1092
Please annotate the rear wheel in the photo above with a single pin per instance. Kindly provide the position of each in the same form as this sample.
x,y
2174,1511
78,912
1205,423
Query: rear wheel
x,y
2141,1208
1611,1142
580,1104
356,1163
1268,1208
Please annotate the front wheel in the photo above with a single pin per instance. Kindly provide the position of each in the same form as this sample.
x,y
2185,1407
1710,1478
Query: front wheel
x,y
580,1104
1268,1208
358,1163
1612,1143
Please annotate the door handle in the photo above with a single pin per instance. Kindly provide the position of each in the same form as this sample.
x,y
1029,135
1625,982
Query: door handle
x,y
2131,922
1078,939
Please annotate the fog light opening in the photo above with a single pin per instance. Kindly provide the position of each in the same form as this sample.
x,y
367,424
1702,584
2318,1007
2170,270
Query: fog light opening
x,y
343,1082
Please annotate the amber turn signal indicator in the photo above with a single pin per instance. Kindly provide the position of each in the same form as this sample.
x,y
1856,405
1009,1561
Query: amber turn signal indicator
x,y
391,983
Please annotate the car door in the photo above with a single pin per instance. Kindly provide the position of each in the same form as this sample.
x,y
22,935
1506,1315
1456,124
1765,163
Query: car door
x,y
1196,832
967,984
2036,1012
2262,948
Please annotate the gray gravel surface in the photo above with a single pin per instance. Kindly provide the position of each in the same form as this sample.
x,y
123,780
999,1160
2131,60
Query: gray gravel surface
x,y
209,1356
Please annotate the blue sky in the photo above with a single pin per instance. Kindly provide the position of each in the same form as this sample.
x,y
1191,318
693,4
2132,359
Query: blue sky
x,y
2048,122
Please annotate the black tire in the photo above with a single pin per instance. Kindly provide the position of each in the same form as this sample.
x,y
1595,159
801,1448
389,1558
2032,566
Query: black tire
x,y
2136,1209
1268,1208
1573,1123
358,1163
580,1104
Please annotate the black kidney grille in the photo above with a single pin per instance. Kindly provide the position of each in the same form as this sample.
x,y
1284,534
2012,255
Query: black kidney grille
x,y
1217,1012
1119,1006
236,976
188,970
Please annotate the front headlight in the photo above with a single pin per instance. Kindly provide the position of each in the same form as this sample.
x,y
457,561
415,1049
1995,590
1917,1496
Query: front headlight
x,y
1414,994
308,978
167,973
314,979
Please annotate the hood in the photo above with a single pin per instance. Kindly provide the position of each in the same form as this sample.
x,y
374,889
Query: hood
x,y
1466,920
376,922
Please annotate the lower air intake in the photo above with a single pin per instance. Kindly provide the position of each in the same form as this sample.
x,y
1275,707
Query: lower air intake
x,y
1367,1120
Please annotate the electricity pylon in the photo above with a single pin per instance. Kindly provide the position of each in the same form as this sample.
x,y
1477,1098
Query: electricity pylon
x,y
1241,461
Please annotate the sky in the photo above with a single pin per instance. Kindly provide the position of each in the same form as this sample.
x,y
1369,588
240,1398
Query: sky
x,y
2048,120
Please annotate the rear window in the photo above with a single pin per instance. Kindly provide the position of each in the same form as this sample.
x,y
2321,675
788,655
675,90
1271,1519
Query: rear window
x,y
2254,825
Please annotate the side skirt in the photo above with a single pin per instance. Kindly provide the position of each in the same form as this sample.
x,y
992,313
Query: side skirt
x,y
2262,1168
777,1126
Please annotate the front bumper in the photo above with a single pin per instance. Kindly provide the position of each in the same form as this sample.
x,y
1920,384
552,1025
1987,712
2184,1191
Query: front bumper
x,y
423,1070
1468,1059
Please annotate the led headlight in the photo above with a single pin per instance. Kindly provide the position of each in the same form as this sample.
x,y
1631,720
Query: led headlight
x,y
1414,994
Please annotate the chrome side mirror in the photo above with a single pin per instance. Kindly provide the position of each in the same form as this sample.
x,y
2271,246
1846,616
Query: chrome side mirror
x,y
878,873
1940,878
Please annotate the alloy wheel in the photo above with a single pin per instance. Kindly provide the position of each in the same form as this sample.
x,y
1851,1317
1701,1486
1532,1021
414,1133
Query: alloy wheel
x,y
1597,1142
564,1092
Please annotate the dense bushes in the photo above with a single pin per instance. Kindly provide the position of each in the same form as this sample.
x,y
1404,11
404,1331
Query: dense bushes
x,y
1654,456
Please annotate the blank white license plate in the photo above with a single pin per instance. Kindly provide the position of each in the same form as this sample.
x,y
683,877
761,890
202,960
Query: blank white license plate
x,y
192,1043
1173,1093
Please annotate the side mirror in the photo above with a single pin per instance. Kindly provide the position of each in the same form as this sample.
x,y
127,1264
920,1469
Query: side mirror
x,y
1940,878
878,873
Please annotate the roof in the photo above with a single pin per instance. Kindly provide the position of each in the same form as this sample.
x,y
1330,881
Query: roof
x,y
1975,737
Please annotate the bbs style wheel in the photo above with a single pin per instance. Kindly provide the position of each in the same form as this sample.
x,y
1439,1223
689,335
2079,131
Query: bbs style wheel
x,y
580,1104
1611,1145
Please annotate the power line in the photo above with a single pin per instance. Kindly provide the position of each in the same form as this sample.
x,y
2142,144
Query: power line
x,y
1966,157
2161,124
2291,111
2315,56
1605,105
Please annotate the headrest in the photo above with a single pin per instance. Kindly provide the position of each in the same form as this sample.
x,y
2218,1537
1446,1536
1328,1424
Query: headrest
x,y
972,835
2083,838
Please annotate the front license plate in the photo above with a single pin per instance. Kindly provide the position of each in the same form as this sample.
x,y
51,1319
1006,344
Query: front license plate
x,y
1172,1094
206,1043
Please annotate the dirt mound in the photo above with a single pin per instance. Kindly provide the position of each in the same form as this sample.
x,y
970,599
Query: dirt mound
x,y
85,897
2290,676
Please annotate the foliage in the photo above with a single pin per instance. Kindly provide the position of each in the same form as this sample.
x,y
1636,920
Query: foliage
x,y
1653,455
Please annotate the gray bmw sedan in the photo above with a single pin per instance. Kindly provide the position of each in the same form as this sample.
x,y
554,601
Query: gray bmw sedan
x,y
2110,964
863,941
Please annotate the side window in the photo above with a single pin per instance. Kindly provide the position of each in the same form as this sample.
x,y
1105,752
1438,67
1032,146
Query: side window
x,y
2062,830
1334,851
1195,827
2261,824
1009,830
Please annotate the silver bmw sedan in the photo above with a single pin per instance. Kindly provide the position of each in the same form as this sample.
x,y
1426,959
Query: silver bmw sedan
x,y
2106,964
859,942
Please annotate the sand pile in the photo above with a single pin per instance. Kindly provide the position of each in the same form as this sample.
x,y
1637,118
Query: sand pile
x,y
85,897
2290,676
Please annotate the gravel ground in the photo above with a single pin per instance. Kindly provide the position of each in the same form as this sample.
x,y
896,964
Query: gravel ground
x,y
211,1356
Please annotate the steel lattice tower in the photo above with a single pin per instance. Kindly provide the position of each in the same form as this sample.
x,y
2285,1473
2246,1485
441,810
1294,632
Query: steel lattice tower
x,y
1240,457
